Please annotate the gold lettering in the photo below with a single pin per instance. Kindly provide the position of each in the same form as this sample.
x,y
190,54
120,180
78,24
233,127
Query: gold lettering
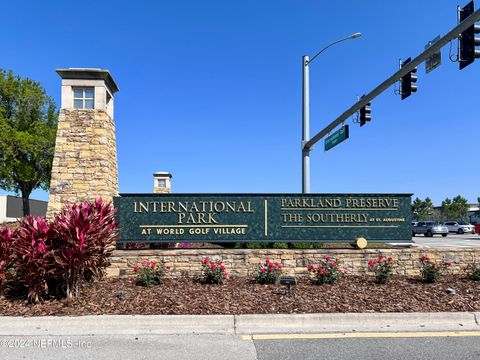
x,y
144,207
182,206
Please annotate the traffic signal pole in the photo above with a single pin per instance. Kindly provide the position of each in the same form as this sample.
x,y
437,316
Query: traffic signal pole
x,y
451,35
305,127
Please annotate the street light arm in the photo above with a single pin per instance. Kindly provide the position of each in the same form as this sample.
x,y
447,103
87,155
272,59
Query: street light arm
x,y
356,35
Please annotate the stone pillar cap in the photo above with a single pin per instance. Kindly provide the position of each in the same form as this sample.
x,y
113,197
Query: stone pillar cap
x,y
89,74
162,173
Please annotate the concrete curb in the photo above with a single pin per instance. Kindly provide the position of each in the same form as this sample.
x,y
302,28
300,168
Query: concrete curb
x,y
355,322
238,324
117,325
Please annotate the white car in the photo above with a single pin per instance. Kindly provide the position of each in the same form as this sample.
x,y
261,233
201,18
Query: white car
x,y
459,227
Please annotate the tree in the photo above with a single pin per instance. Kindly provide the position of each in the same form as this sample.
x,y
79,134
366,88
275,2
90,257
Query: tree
x,y
422,209
456,209
28,125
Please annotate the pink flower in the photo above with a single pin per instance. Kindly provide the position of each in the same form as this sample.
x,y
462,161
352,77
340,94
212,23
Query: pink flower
x,y
270,269
372,263
389,259
212,266
267,261
153,264
167,267
262,271
135,268
145,262
333,265
328,258
222,267
425,258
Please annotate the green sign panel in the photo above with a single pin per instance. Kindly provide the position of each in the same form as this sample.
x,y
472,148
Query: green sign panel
x,y
336,138
263,217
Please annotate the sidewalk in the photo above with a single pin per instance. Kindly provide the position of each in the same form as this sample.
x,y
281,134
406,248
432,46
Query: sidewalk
x,y
238,324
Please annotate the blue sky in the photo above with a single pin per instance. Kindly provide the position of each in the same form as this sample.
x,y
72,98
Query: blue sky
x,y
211,91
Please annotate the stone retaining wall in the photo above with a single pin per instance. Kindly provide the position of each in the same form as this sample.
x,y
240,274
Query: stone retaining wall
x,y
186,262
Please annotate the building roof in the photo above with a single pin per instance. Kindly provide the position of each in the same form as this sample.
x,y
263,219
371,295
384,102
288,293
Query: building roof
x,y
89,74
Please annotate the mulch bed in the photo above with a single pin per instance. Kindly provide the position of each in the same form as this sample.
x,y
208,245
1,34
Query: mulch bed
x,y
242,296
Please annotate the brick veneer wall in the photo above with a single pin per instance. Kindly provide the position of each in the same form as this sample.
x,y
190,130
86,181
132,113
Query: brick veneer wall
x,y
186,262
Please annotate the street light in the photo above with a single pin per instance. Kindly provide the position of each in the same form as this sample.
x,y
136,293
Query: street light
x,y
306,113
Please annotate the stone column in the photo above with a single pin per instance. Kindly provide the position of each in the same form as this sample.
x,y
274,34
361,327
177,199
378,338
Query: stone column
x,y
85,162
162,183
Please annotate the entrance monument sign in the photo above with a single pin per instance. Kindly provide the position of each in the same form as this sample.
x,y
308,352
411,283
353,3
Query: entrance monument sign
x,y
263,217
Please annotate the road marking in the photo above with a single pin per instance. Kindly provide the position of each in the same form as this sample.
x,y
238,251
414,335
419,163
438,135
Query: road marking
x,y
362,335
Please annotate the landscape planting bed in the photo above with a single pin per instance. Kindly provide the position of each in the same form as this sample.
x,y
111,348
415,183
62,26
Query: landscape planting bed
x,y
239,295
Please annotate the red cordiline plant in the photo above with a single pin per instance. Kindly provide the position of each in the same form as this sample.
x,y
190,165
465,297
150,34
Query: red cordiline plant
x,y
84,239
34,256
214,272
267,273
7,237
327,272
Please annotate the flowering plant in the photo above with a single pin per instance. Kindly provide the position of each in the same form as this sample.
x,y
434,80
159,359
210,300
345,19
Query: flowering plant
x,y
382,267
150,272
473,272
431,271
268,272
213,272
327,272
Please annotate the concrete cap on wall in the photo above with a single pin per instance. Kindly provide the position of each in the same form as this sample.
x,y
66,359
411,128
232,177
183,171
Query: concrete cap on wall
x,y
89,74
162,174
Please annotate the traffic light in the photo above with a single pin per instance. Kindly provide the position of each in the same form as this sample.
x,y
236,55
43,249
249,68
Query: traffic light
x,y
467,40
408,82
365,113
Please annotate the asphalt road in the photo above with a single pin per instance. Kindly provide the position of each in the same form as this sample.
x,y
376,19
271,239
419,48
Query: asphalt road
x,y
178,347
452,240
425,348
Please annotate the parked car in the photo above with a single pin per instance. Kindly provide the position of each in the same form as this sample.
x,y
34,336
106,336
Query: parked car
x,y
429,228
477,229
459,227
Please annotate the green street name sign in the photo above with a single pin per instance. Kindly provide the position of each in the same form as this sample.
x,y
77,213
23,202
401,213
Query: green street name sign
x,y
263,217
336,138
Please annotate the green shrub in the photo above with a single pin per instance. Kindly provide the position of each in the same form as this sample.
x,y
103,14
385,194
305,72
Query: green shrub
x,y
150,273
267,273
473,272
382,267
431,271
327,272
214,272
